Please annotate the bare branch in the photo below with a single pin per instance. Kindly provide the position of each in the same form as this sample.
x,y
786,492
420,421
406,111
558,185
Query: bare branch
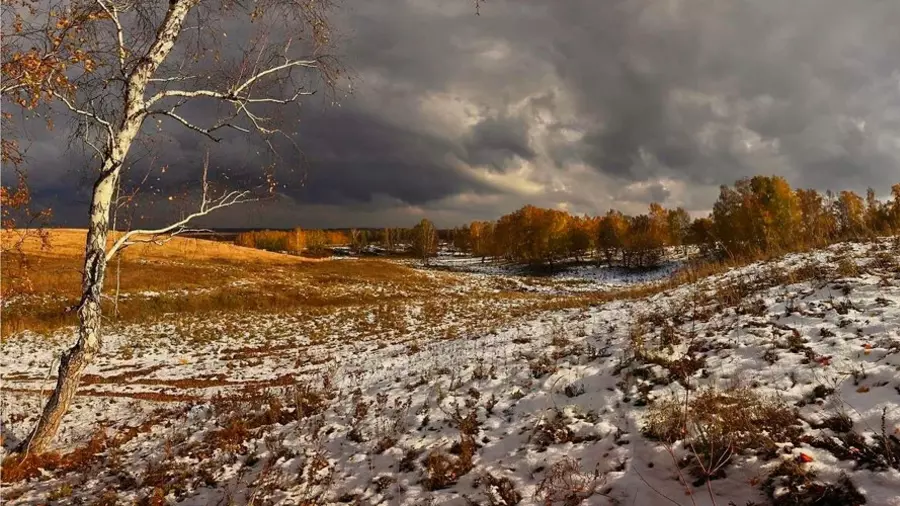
x,y
234,94
205,131
204,182
84,113
172,79
229,199
113,13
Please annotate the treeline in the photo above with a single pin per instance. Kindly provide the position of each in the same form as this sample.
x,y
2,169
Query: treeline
x,y
760,215
293,241
537,236
416,240
756,216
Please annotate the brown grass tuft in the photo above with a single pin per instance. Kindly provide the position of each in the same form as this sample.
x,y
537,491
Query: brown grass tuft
x,y
566,484
716,425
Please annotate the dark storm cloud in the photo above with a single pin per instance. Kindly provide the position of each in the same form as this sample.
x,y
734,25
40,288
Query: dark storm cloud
x,y
584,104
353,156
655,75
495,140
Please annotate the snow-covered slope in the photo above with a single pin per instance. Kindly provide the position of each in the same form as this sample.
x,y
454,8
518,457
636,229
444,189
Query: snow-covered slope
x,y
552,407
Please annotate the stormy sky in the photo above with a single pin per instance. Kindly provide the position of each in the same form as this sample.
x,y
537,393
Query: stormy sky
x,y
581,105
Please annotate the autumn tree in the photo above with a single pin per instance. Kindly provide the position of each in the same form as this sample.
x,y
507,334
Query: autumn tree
x,y
679,222
481,239
779,212
389,239
760,214
611,233
582,231
647,235
462,238
850,214
358,239
659,224
643,244
556,226
817,224
702,234
879,215
20,224
729,219
142,60
424,237
895,209
35,63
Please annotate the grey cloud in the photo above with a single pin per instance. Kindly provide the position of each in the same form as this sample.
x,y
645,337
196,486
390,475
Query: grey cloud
x,y
599,103
644,194
496,140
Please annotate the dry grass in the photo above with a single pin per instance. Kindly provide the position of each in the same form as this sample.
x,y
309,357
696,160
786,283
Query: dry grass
x,y
716,425
18,467
194,276
69,243
566,484
198,277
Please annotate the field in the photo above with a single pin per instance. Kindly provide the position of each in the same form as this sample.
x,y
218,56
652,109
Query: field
x,y
234,376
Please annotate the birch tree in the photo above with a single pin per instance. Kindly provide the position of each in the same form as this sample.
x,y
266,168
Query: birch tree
x,y
425,240
162,60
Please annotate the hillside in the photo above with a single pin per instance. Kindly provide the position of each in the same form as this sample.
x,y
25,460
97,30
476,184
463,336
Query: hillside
x,y
779,380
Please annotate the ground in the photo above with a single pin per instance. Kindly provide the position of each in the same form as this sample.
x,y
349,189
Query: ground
x,y
374,381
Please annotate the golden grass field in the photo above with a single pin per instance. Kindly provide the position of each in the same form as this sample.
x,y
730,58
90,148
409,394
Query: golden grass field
x,y
196,277
69,243
185,276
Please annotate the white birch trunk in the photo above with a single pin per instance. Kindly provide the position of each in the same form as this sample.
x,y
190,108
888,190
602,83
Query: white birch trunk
x,y
73,362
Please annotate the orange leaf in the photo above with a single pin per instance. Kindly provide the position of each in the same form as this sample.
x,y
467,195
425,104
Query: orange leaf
x,y
804,458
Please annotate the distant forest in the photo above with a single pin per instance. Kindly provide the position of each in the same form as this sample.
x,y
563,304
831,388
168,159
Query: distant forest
x,y
757,216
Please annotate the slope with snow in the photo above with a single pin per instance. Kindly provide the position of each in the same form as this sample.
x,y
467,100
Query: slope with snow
x,y
550,407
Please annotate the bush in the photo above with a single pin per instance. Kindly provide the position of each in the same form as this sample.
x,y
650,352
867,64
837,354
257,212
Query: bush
x,y
716,425
566,484
499,491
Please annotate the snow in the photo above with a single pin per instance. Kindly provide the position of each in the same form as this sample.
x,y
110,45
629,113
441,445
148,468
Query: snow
x,y
782,340
574,277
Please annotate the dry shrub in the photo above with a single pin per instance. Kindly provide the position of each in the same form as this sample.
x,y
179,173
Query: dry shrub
x,y
20,467
231,437
791,484
888,260
566,484
879,454
558,337
108,498
499,491
63,492
679,369
754,307
407,463
541,366
443,469
384,444
467,424
310,401
733,293
273,240
847,268
166,477
810,271
23,466
253,408
716,425
552,430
